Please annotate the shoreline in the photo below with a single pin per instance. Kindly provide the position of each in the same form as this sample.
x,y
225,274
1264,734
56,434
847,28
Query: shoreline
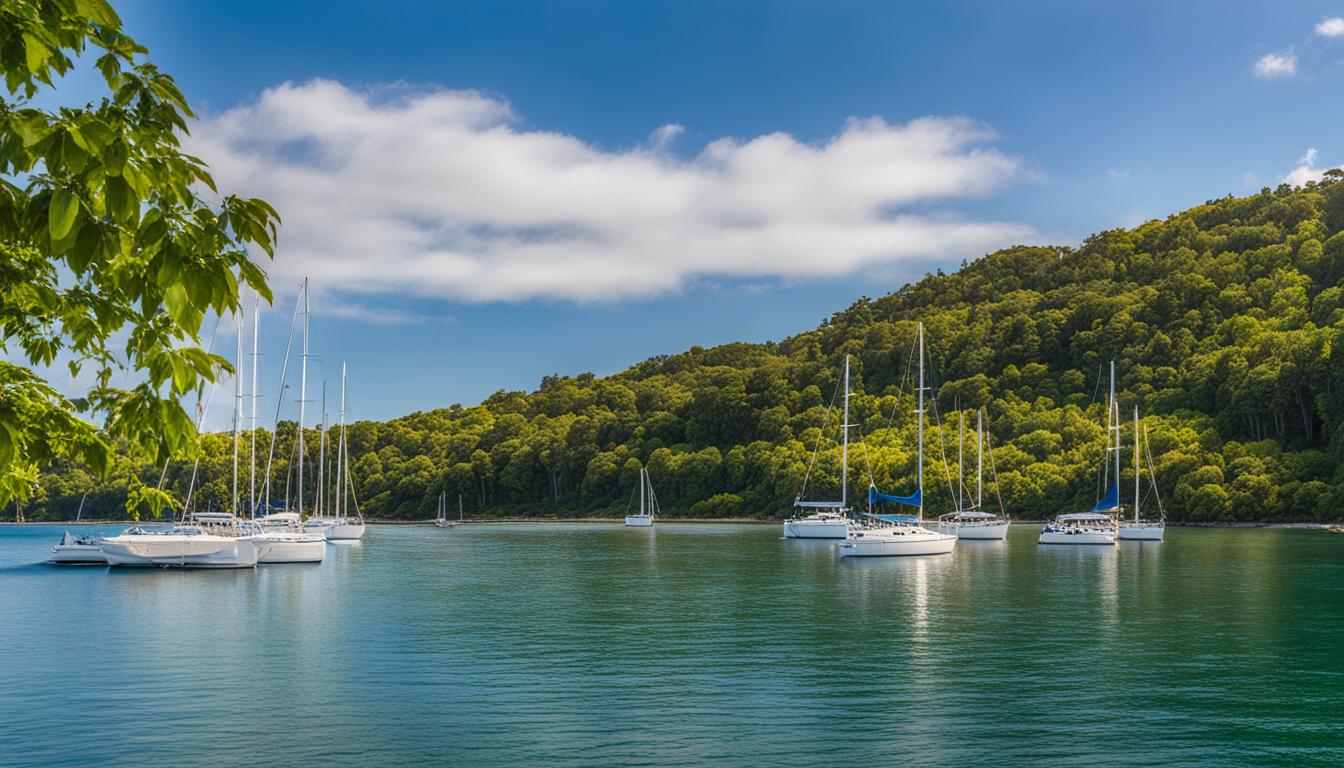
x,y
669,521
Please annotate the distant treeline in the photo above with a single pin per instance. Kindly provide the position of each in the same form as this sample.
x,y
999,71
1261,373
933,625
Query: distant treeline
x,y
1225,323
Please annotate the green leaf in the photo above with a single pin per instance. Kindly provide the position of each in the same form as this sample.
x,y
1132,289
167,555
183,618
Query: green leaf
x,y
120,200
36,53
62,213
99,12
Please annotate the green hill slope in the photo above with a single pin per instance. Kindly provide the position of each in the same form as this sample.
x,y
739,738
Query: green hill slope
x,y
1224,322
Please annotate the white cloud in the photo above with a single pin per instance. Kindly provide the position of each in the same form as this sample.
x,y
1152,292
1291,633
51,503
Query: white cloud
x,y
1273,65
1331,27
1305,171
440,194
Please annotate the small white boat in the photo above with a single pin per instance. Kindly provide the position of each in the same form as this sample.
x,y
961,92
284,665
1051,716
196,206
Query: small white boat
x,y
900,535
283,546
1139,529
442,520
77,550
648,504
183,546
827,519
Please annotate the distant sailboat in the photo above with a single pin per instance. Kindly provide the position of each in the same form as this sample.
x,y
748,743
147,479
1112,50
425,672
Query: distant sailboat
x,y
1100,525
892,535
973,522
442,520
648,503
1139,529
826,519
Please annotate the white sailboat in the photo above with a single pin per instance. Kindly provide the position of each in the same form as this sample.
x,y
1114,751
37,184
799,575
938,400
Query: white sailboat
x,y
974,522
648,503
826,519
442,520
1139,529
892,536
78,550
1100,525
340,525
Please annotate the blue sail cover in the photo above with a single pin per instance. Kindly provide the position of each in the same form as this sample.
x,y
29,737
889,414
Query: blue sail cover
x,y
875,496
1110,501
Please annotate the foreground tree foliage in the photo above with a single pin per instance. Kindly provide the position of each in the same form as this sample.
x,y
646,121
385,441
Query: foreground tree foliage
x,y
109,257
1225,322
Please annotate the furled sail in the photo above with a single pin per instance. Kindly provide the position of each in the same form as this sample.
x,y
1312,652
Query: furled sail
x,y
875,496
1110,501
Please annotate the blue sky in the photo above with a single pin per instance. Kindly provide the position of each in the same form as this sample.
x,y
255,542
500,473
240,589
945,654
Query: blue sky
x,y
1078,117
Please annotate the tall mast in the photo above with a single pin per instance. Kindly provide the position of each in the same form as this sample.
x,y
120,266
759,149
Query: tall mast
x,y
279,404
961,475
1136,463
322,456
920,420
237,404
641,490
1113,418
342,472
844,450
303,391
252,459
979,454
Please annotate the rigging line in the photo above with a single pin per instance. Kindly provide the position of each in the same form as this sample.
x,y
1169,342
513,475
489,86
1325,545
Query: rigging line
x,y
630,501
900,386
1100,368
863,444
1152,472
993,470
826,419
942,447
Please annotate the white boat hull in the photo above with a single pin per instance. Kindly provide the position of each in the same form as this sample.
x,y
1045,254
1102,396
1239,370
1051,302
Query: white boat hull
x,y
1141,532
985,532
892,543
346,532
292,548
1077,537
816,529
639,521
167,550
78,554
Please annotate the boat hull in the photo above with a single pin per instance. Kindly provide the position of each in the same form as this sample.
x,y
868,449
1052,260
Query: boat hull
x,y
986,532
1102,538
1142,532
883,544
816,529
78,554
639,521
293,549
168,551
345,532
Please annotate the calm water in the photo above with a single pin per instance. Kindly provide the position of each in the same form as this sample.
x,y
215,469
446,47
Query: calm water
x,y
587,645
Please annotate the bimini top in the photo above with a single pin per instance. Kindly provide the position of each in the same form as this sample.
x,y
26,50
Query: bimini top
x,y
972,514
1083,517
820,504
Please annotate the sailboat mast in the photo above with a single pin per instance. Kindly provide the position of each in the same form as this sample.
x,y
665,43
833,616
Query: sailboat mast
x,y
237,404
459,506
844,449
303,391
1113,421
252,447
342,472
961,475
979,455
919,420
322,455
1136,463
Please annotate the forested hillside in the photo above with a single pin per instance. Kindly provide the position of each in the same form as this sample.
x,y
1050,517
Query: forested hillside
x,y
1224,322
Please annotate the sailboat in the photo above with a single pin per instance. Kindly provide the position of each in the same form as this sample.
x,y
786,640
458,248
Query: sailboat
x,y
442,520
973,522
1100,525
78,550
825,519
1139,529
648,503
340,525
892,535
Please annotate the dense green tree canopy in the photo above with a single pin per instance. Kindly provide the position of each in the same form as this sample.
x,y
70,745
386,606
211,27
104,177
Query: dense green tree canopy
x,y
114,247
1225,322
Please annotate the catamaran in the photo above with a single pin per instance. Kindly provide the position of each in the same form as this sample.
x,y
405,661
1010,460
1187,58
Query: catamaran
x,y
1139,529
648,503
78,550
974,522
900,535
1100,525
826,519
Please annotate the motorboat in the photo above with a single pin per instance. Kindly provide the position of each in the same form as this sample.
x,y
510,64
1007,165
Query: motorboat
x,y
77,550
286,545
648,504
187,545
900,535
